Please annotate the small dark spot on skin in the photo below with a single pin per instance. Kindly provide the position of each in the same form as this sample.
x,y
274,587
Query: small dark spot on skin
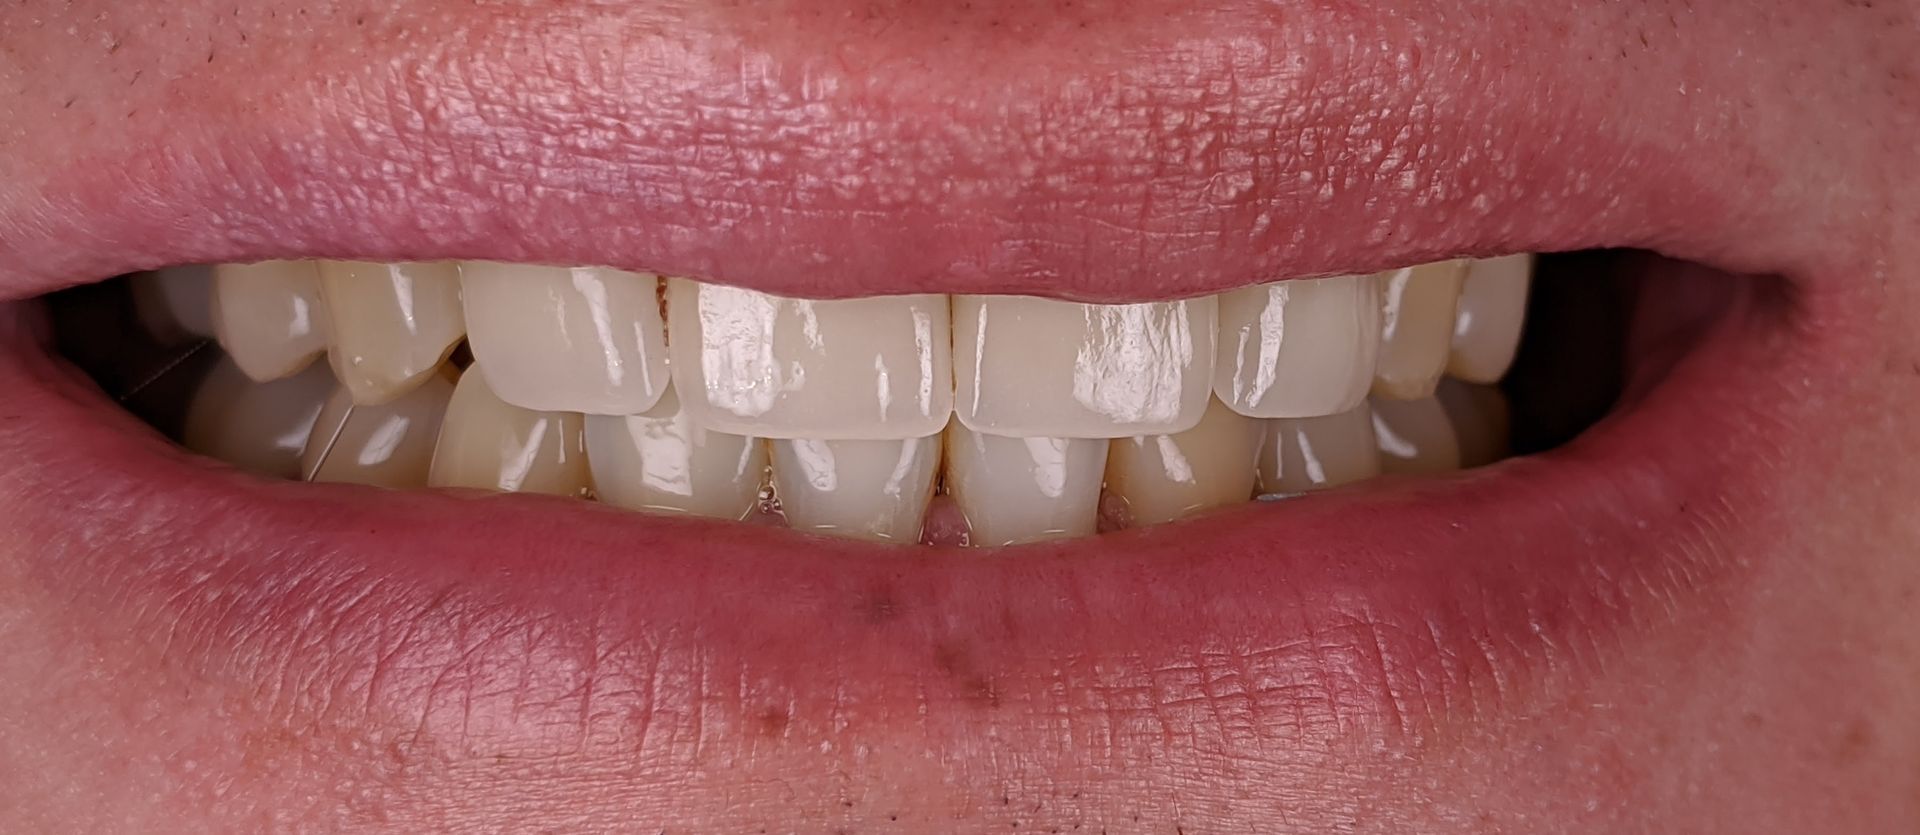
x,y
1854,742
880,604
773,722
1752,720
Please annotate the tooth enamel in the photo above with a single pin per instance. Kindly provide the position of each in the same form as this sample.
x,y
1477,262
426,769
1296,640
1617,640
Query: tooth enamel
x,y
392,324
490,444
1032,367
1298,348
257,427
1015,490
1166,477
663,461
390,445
1480,419
1301,455
1415,437
567,340
268,316
175,304
1416,328
1493,307
875,490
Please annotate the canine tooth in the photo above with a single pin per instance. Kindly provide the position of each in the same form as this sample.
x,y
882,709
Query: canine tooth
x,y
1481,420
555,339
857,489
491,444
1301,455
389,445
1416,328
664,461
1493,309
1015,490
1415,437
751,363
392,324
1298,348
1166,477
258,427
175,304
1034,367
268,316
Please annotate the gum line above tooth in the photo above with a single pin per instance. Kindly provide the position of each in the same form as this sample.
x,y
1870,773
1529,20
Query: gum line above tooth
x,y
577,340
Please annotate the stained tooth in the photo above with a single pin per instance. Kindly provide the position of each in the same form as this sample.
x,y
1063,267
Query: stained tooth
x,y
1015,490
269,317
1493,308
392,324
1480,419
663,461
390,445
490,444
1298,348
875,490
1301,455
1415,437
1417,327
567,340
1033,367
754,364
176,304
258,427
1166,477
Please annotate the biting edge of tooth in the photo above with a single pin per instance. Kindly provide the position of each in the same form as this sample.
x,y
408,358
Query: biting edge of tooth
x,y
861,489
1481,419
1017,490
175,304
257,427
269,317
390,445
1492,312
1415,436
392,324
664,462
490,444
1165,477
1299,348
1302,455
555,339
1417,305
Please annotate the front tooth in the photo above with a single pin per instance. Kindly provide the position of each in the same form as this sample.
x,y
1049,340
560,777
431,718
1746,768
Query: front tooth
x,y
175,304
389,445
393,324
258,427
1014,490
1298,348
664,461
1493,308
1033,367
567,340
755,364
1418,308
1480,419
857,489
1166,477
1415,437
490,444
268,316
1301,455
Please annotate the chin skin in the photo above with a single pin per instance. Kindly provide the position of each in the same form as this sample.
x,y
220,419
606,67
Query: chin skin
x,y
1782,701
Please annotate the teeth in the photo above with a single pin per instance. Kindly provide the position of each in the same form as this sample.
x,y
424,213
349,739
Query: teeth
x,y
1298,348
176,304
1417,328
258,427
1415,437
390,445
1301,455
1015,490
1480,419
664,461
1035,367
1166,477
857,489
754,364
490,444
567,340
393,324
1493,307
269,317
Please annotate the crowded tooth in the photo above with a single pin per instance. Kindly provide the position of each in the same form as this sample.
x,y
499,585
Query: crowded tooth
x,y
175,305
389,445
875,490
1034,367
664,461
258,427
1415,437
268,316
1165,477
567,340
1298,348
392,324
1417,326
1301,455
1481,421
1493,307
490,444
755,364
1014,490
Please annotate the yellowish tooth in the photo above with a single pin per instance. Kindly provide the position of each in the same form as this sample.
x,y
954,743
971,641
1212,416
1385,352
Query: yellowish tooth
x,y
663,461
175,305
269,317
490,444
390,445
1014,490
1415,437
567,340
1480,419
392,324
876,490
258,427
1166,477
1417,329
1298,348
1493,309
1302,455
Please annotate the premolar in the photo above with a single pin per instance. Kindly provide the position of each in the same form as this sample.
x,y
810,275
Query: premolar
x,y
1418,305
488,443
1416,437
1298,348
662,461
269,317
390,445
258,427
1014,490
574,340
1493,308
393,324
1165,477
1302,455
875,490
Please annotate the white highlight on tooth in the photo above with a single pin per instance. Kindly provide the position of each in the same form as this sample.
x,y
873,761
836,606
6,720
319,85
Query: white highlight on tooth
x,y
1166,477
269,316
1302,455
586,339
1492,311
390,445
257,427
488,443
392,324
1418,307
1298,348
662,461
1415,437
1014,490
875,490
